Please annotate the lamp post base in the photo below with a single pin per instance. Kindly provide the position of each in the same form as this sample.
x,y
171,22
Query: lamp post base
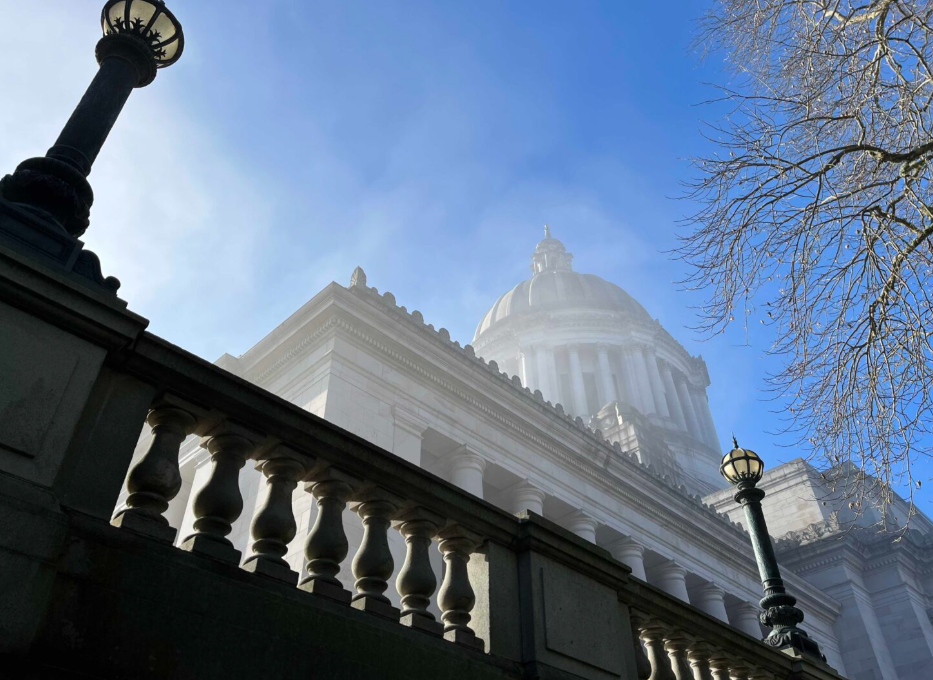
x,y
31,232
796,640
54,188
782,616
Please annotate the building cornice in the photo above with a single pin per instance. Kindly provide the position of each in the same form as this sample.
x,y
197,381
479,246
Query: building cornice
x,y
657,498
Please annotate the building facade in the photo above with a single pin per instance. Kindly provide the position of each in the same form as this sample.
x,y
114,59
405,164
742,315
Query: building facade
x,y
574,404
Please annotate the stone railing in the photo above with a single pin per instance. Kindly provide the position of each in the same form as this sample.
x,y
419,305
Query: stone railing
x,y
114,597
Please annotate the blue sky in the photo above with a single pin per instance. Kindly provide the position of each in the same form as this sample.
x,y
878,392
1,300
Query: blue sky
x,y
426,141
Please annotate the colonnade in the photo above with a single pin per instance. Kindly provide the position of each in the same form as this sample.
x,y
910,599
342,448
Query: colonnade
x,y
633,373
466,469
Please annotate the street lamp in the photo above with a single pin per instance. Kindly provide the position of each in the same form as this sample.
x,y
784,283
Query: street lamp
x,y
744,468
140,37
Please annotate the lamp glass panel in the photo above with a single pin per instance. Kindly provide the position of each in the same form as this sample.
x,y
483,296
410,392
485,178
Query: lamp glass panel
x,y
143,10
754,467
165,27
170,50
117,12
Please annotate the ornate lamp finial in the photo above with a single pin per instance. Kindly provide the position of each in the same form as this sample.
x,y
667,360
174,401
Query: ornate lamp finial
x,y
547,231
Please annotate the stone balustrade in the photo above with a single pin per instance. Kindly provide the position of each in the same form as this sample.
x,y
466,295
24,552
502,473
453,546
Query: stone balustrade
x,y
105,596
672,642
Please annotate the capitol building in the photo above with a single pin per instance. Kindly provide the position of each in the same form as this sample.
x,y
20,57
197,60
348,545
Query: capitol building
x,y
574,403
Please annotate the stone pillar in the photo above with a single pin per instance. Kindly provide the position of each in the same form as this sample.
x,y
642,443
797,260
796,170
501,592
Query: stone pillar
x,y
701,419
605,375
525,496
628,379
527,369
693,426
654,377
668,380
576,379
466,471
409,431
582,525
544,383
632,555
707,415
709,598
672,579
744,616
644,383
554,396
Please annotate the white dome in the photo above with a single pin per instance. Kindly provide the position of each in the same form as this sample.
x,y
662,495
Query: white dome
x,y
554,289
555,285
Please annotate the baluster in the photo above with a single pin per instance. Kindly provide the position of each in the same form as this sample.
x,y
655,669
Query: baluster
x,y
652,634
416,582
219,503
675,644
456,597
274,527
326,546
698,654
719,666
155,480
739,670
373,564
642,664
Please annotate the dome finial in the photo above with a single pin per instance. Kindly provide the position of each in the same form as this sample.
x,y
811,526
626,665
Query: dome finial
x,y
550,255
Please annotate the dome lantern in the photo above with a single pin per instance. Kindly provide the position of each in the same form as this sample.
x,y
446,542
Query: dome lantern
x,y
551,255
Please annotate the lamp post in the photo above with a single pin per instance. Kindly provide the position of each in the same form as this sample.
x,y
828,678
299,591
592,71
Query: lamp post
x,y
743,468
140,37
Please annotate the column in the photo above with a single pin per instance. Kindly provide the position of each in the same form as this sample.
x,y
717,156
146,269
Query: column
x,y
693,427
701,420
466,471
526,360
632,555
672,579
525,496
710,598
668,380
407,435
654,377
582,525
744,616
554,396
605,375
628,379
544,383
644,383
576,379
707,415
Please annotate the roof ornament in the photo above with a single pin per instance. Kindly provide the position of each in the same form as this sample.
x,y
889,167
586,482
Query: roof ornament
x,y
358,278
550,255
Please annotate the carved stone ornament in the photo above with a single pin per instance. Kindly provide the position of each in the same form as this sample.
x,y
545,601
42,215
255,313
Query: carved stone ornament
x,y
358,278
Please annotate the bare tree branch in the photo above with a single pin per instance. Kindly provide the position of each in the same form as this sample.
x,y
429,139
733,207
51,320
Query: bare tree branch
x,y
816,215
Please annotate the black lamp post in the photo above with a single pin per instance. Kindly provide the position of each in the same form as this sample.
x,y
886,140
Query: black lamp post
x,y
140,37
744,468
